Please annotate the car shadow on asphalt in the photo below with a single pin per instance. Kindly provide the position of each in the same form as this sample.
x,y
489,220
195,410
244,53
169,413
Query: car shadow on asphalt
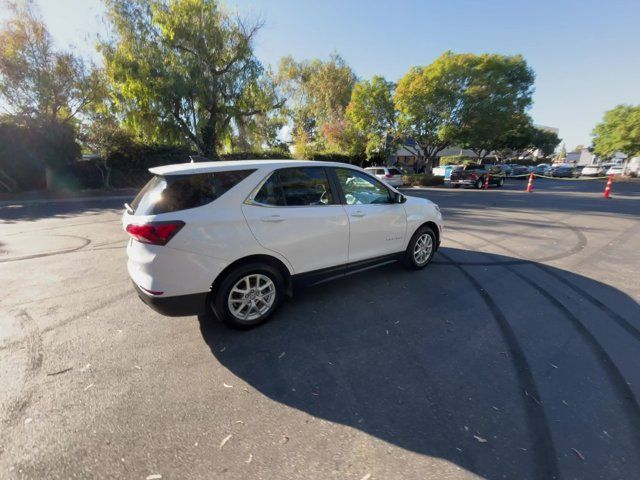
x,y
504,367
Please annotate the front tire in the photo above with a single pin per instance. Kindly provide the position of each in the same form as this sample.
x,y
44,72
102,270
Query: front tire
x,y
248,296
421,249
479,183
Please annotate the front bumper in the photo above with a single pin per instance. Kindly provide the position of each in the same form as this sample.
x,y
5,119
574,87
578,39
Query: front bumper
x,y
176,306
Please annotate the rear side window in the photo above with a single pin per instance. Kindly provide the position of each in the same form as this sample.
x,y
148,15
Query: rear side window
x,y
296,187
181,192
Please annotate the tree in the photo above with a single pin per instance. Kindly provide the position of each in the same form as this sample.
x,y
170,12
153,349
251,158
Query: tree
x,y
619,131
318,92
563,153
185,70
545,141
497,91
428,103
372,114
42,88
36,81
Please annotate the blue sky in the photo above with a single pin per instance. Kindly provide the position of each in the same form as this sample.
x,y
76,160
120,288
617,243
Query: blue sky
x,y
586,54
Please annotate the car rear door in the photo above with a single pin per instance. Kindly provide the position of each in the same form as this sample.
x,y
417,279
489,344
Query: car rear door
x,y
377,224
296,213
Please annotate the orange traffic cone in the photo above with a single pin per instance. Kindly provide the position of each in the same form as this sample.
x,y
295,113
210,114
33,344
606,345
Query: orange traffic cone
x,y
486,182
607,189
530,184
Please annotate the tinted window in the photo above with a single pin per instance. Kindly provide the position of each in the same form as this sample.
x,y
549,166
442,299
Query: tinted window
x,y
395,171
296,187
361,189
180,192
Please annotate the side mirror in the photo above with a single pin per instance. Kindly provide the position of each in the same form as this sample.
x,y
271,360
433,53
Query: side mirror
x,y
399,198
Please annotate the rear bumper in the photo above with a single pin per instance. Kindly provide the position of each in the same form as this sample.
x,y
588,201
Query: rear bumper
x,y
177,306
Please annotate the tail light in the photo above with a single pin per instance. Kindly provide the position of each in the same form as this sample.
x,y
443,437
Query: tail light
x,y
473,176
155,233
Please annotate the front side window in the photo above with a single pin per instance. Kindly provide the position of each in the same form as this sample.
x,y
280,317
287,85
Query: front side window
x,y
296,187
361,189
170,193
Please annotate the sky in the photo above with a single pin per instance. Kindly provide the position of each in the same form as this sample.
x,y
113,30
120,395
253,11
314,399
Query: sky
x,y
586,54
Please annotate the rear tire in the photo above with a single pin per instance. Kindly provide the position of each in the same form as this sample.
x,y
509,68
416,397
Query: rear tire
x,y
479,183
500,182
248,296
421,249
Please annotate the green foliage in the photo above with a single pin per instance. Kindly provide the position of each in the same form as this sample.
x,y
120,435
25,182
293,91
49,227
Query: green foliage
x,y
546,141
318,93
427,99
27,147
455,159
372,115
185,71
36,81
619,131
465,99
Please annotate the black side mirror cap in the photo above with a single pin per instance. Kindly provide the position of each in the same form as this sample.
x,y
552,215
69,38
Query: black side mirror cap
x,y
399,198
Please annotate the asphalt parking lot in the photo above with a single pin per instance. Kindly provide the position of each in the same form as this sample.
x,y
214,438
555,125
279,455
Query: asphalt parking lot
x,y
514,355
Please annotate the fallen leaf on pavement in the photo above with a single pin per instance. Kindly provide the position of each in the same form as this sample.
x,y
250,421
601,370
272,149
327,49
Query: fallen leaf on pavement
x,y
366,477
227,386
225,440
579,454
88,387
155,476
480,439
248,460
59,372
281,355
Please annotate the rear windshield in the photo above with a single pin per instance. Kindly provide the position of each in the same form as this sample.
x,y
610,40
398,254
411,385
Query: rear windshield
x,y
395,171
181,192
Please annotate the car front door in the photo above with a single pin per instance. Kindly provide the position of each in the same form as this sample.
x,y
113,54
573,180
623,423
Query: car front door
x,y
377,224
297,214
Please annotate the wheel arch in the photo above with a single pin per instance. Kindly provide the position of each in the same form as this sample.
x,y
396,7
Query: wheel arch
x,y
258,258
433,226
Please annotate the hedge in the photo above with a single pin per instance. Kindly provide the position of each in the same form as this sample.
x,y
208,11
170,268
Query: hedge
x,y
422,180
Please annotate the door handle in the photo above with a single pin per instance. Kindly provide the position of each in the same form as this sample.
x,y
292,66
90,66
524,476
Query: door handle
x,y
273,219
358,214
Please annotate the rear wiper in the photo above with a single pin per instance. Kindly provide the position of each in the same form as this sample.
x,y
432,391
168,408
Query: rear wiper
x,y
128,208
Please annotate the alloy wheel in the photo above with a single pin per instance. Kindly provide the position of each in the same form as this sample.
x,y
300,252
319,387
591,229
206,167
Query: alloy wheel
x,y
251,297
422,249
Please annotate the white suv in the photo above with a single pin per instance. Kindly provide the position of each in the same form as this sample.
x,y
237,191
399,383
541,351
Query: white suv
x,y
233,238
389,175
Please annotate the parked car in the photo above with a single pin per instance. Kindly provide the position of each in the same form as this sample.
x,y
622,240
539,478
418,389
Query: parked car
x,y
474,176
504,168
563,171
390,175
542,169
633,167
592,171
233,238
615,170
519,171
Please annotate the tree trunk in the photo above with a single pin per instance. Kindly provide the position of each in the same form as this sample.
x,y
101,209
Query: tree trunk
x,y
209,144
50,176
